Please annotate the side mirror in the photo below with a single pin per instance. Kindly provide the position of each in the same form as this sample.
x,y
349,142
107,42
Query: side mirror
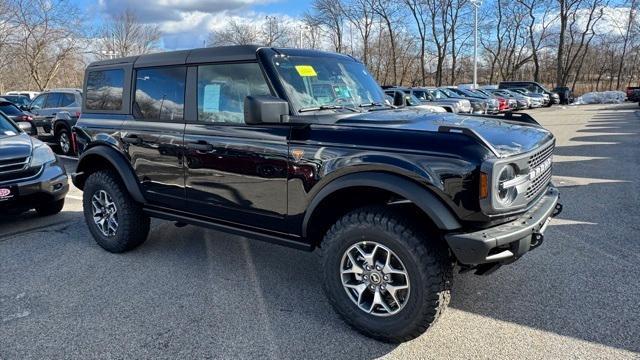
x,y
25,126
25,107
265,110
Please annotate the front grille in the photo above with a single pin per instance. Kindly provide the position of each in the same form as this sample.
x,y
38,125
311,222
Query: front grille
x,y
12,165
17,169
541,181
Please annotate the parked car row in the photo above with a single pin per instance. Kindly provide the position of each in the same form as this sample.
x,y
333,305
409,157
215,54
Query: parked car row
x,y
51,114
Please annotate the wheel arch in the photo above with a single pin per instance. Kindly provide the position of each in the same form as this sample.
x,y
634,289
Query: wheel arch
x,y
102,157
371,184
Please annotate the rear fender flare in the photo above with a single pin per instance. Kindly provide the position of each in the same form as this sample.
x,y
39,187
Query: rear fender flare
x,y
118,161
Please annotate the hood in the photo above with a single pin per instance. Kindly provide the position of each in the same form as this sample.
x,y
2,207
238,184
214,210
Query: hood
x,y
15,146
507,137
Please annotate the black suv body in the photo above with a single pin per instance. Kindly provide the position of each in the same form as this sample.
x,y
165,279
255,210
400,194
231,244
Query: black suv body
x,y
297,147
55,112
31,177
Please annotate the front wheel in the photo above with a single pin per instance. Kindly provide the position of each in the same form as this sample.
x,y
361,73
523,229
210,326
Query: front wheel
x,y
385,276
115,220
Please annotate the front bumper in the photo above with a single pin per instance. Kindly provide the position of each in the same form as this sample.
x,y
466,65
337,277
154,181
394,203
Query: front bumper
x,y
507,242
50,184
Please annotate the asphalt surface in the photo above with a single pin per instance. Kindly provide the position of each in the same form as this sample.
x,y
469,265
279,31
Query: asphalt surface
x,y
196,293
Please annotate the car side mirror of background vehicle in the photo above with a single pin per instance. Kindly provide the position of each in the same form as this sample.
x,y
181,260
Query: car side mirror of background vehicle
x,y
265,110
25,126
25,107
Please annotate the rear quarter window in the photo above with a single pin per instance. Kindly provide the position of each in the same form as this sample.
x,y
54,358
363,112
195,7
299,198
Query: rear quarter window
x,y
104,89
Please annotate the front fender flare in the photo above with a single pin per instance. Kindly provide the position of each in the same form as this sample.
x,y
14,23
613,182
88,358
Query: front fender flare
x,y
443,218
117,161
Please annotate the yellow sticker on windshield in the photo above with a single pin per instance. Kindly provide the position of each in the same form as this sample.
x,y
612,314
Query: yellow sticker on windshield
x,y
306,70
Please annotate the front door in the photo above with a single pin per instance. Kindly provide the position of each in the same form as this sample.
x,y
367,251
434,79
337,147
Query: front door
x,y
235,172
153,137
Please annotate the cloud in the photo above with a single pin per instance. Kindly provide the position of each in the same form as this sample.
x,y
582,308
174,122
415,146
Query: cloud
x,y
153,11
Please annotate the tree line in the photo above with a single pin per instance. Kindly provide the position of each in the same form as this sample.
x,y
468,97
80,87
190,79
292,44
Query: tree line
x,y
587,45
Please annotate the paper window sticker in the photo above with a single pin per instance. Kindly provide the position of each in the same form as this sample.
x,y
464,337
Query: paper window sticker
x,y
306,70
211,98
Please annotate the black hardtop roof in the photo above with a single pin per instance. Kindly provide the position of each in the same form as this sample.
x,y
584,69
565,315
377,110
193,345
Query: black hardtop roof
x,y
210,54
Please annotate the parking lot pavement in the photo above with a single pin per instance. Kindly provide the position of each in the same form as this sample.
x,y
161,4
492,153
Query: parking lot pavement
x,y
196,293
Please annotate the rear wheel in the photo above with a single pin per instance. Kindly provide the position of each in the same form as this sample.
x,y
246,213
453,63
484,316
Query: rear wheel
x,y
64,141
385,276
115,220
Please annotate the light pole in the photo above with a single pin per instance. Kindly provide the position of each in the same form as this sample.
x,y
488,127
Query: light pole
x,y
476,4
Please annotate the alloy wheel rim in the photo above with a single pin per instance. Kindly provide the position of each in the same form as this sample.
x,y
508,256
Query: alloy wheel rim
x,y
105,213
374,278
64,142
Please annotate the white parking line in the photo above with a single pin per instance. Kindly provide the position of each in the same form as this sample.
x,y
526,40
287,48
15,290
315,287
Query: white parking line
x,y
74,197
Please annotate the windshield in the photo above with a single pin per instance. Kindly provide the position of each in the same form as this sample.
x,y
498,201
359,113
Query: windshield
x,y
422,95
315,82
412,100
7,128
18,100
440,94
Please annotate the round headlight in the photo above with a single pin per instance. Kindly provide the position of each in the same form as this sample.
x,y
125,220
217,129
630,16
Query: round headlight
x,y
505,196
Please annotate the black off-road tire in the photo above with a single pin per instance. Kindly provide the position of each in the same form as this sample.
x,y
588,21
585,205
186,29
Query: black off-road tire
x,y
133,224
426,258
51,208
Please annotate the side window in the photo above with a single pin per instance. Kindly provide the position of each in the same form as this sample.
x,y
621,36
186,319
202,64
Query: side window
x,y
104,89
53,100
160,93
223,88
38,103
67,100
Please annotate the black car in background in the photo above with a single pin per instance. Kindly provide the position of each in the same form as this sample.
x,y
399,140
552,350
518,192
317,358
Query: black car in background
x,y
297,147
565,94
31,177
18,100
14,113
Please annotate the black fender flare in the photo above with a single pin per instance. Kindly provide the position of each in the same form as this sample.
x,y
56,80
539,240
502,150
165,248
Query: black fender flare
x,y
422,197
117,161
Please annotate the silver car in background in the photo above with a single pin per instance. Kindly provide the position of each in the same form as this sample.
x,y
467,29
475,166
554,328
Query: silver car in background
x,y
437,97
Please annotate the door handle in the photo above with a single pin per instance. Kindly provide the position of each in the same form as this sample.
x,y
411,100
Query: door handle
x,y
132,139
200,146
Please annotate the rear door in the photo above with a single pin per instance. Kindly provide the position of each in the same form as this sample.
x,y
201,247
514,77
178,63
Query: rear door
x,y
153,136
234,172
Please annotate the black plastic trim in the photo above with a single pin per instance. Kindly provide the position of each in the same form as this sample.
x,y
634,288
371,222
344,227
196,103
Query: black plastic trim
x,y
118,161
419,195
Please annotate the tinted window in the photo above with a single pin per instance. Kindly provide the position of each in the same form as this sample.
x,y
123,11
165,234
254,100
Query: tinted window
x,y
160,93
223,88
38,103
53,100
104,89
68,100
9,109
6,127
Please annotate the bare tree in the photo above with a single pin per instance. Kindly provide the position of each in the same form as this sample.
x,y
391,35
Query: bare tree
x,y
330,15
46,39
417,10
124,35
359,13
235,33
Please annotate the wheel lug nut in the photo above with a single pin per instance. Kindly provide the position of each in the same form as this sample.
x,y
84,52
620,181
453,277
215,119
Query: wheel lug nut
x,y
386,277
382,287
372,287
378,267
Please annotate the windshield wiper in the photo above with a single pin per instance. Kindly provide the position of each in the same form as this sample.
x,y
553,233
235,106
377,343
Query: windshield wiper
x,y
328,107
374,104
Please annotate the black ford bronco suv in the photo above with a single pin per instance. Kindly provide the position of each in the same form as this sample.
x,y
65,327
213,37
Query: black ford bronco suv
x,y
297,147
